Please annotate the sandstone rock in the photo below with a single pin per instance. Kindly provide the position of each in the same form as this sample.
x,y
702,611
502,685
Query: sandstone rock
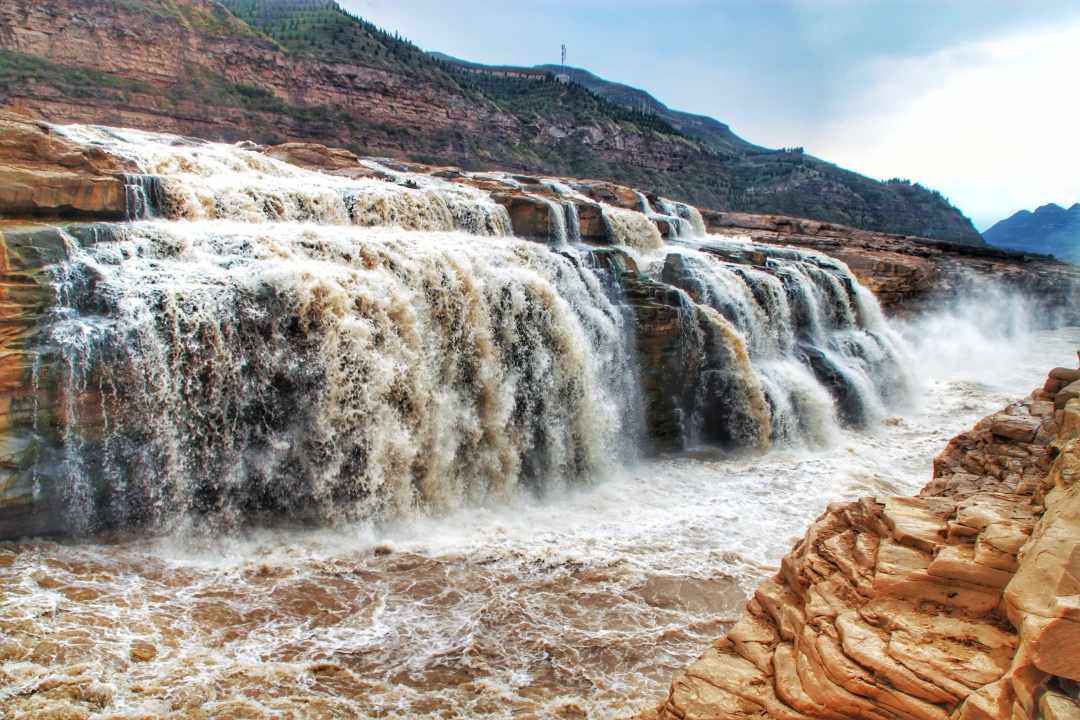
x,y
1017,428
918,522
1059,378
531,217
312,155
958,563
1058,706
43,174
990,702
1069,392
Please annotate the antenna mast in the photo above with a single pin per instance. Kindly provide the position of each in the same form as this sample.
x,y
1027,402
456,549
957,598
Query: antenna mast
x,y
562,76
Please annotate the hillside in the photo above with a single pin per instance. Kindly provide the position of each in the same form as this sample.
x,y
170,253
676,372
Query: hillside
x,y
782,182
1050,230
294,70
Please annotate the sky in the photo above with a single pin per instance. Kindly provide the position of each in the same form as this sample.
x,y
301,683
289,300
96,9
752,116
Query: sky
x,y
979,99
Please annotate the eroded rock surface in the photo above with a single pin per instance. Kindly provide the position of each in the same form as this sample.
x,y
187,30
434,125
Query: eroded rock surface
x,y
958,603
44,174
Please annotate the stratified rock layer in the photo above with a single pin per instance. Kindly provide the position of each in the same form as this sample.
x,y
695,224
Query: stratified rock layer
x,y
959,603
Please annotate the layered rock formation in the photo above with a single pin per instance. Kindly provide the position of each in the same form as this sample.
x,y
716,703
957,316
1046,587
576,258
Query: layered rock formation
x,y
43,174
958,603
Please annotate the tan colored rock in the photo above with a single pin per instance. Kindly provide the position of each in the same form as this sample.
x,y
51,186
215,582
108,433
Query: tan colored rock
x,y
1057,706
958,563
1016,428
919,522
45,174
1069,392
312,155
990,702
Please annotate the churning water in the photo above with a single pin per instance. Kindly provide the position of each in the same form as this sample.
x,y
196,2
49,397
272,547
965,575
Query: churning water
x,y
450,419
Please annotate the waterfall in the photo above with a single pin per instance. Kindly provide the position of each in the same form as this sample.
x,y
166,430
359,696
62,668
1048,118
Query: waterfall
x,y
690,224
573,222
194,180
632,229
335,373
262,341
796,330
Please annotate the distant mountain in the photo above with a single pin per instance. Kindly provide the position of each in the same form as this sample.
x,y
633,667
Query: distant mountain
x,y
306,70
1050,230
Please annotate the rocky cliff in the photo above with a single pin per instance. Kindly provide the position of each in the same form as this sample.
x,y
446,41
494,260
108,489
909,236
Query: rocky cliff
x,y
910,273
191,67
958,603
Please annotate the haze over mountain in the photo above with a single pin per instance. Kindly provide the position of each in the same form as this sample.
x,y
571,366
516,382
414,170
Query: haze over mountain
x,y
295,70
1050,230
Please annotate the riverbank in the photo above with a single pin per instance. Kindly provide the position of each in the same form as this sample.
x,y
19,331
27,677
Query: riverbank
x,y
960,602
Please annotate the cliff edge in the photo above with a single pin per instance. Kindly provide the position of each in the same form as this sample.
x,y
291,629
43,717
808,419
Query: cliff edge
x,y
962,602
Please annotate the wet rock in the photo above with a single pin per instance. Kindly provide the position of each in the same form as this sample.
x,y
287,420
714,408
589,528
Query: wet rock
x,y
43,174
530,216
313,155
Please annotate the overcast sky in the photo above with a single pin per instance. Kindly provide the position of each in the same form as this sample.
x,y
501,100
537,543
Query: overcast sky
x,y
979,99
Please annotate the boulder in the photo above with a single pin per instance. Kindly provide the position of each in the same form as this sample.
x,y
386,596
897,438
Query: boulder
x,y
1067,393
530,216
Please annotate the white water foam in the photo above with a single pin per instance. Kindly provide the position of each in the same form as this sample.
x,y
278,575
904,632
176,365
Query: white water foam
x,y
585,603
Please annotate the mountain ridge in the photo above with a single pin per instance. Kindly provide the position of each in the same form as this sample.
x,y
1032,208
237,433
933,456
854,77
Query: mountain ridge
x,y
306,70
1051,230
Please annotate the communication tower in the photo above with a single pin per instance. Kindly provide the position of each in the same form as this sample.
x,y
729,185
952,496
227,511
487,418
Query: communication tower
x,y
562,76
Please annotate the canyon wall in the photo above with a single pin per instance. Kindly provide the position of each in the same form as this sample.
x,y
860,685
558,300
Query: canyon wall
x,y
958,603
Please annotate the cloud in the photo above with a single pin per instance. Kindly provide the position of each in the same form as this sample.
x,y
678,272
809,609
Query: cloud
x,y
992,124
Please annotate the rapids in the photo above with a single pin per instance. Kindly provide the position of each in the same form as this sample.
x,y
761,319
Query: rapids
x,y
332,447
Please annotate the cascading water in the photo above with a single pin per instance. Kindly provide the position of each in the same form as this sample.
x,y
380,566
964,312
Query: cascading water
x,y
188,179
377,359
632,229
333,349
342,372
688,213
797,346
